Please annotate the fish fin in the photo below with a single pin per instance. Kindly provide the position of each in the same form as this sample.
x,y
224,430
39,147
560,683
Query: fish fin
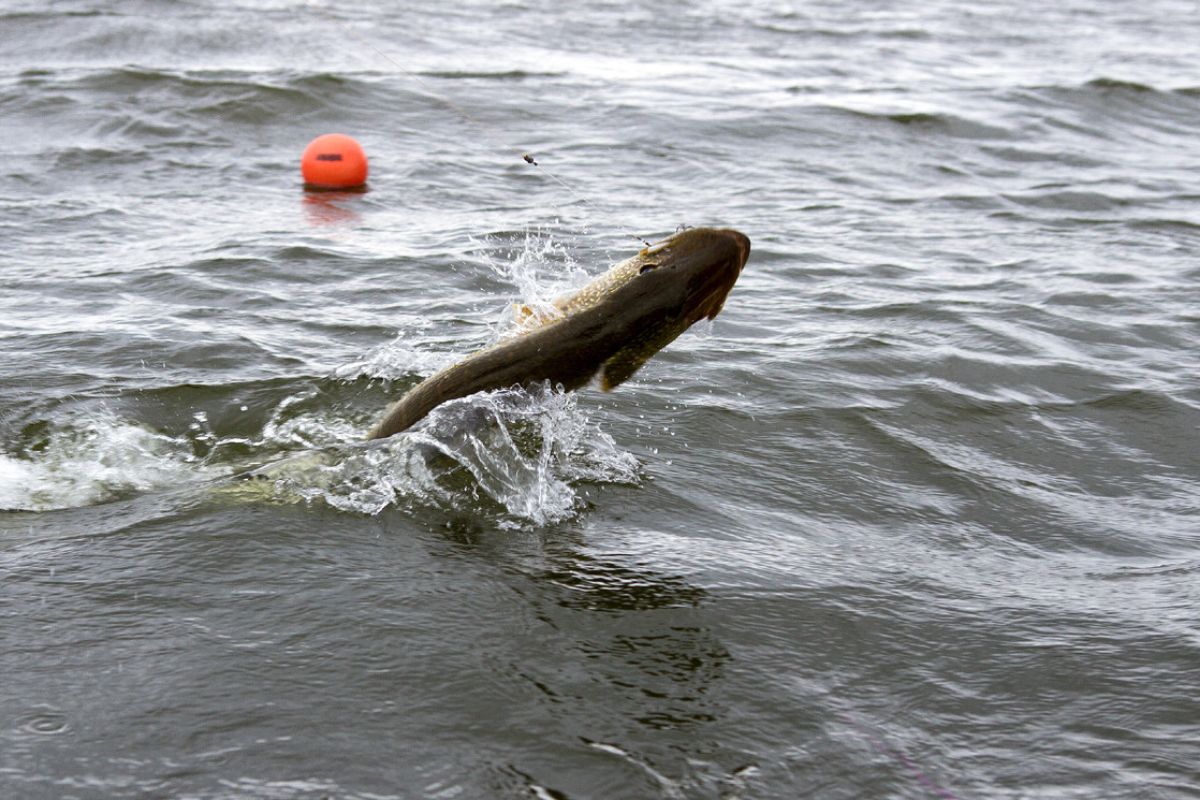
x,y
621,367
530,317
629,359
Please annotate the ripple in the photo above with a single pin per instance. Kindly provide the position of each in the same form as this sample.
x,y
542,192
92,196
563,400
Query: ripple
x,y
43,723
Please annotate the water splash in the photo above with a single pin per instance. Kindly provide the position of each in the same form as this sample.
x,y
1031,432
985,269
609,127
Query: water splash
x,y
516,456
94,461
395,359
519,457
531,451
513,454
540,268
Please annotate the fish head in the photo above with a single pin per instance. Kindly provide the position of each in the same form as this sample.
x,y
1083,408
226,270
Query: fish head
x,y
667,288
691,273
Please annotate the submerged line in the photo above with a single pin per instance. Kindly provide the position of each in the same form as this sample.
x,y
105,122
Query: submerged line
x,y
898,755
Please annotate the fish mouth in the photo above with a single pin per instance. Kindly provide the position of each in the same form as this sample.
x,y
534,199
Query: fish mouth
x,y
743,244
712,304
719,281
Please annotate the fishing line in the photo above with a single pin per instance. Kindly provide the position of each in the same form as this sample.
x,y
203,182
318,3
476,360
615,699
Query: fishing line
x,y
900,757
485,133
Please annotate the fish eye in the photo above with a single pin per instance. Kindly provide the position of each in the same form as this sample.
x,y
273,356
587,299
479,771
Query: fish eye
x,y
647,267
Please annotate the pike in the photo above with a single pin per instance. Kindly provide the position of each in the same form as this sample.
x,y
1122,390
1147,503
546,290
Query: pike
x,y
611,327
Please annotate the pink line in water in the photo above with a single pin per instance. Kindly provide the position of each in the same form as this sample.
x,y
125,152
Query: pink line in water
x,y
900,756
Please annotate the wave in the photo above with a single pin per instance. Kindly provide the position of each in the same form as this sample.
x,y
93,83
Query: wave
x,y
1109,86
952,125
1097,107
138,102
501,75
1115,85
1069,199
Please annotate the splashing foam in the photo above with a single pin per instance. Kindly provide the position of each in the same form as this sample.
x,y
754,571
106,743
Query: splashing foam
x,y
530,451
99,460
393,360
540,270
517,454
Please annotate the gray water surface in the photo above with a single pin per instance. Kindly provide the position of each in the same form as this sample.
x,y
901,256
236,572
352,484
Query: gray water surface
x,y
917,516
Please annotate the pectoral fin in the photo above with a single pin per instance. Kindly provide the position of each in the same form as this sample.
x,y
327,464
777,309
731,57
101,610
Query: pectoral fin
x,y
629,359
621,367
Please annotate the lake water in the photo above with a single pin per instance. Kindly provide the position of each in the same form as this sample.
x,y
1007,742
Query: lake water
x,y
917,516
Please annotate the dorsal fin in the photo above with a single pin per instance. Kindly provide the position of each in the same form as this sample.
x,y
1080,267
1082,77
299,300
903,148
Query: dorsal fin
x,y
530,317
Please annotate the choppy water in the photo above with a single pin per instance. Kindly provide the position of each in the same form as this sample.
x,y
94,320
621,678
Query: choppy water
x,y
917,516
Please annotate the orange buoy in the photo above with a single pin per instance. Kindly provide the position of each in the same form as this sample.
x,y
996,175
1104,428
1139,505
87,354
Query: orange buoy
x,y
334,161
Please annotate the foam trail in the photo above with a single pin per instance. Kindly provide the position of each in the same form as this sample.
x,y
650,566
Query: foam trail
x,y
101,460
